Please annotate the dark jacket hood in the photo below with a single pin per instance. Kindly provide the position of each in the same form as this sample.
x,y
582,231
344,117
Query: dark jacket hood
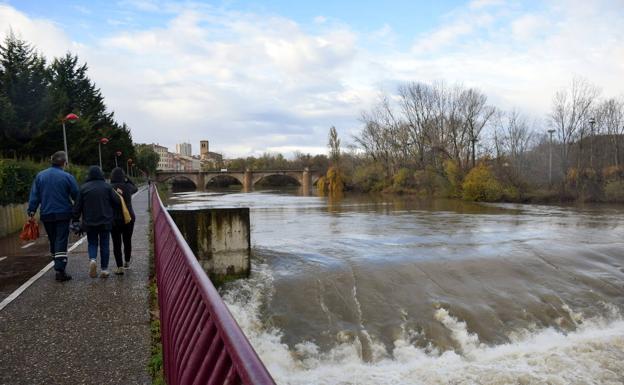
x,y
117,175
95,173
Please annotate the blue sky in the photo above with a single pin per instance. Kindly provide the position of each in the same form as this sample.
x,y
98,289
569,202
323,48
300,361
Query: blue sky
x,y
273,76
406,17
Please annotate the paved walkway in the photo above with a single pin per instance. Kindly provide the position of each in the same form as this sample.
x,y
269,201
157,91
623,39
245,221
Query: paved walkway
x,y
85,331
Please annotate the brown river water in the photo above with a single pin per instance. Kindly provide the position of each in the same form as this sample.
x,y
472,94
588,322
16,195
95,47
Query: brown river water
x,y
402,290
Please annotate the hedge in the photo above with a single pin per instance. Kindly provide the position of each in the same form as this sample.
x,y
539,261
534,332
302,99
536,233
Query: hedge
x,y
16,177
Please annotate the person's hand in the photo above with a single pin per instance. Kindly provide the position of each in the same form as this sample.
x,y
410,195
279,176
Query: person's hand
x,y
76,228
120,191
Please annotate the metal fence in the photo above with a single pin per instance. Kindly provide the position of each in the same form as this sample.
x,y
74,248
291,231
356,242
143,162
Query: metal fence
x,y
202,343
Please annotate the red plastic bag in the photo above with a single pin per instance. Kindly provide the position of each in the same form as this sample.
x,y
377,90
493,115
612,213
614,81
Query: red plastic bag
x,y
30,232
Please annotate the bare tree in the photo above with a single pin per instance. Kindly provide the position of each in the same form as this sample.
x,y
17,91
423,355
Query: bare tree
x,y
379,136
610,118
569,114
476,114
512,138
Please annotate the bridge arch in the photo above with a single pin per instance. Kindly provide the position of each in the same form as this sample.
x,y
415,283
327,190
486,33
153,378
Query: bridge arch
x,y
173,178
267,177
223,177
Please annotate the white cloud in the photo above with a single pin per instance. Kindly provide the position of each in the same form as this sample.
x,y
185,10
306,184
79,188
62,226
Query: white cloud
x,y
459,26
529,26
477,4
46,36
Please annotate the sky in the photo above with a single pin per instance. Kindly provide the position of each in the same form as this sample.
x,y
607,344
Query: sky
x,y
273,76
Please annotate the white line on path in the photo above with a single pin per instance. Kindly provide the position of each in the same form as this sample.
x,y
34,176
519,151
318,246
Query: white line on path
x,y
28,245
34,278
2,258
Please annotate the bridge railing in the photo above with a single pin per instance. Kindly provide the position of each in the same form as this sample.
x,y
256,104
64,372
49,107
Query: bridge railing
x,y
202,343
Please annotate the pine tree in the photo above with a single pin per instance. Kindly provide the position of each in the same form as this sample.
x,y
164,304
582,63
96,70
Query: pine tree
x,y
23,92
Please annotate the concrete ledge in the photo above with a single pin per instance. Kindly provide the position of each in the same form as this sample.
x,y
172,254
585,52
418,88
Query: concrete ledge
x,y
220,239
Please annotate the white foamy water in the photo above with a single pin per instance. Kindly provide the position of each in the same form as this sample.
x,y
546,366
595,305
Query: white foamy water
x,y
591,354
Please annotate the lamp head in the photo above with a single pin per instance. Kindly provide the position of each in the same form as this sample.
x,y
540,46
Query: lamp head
x,y
71,117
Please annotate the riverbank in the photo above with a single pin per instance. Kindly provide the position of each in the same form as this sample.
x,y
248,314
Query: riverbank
x,y
541,197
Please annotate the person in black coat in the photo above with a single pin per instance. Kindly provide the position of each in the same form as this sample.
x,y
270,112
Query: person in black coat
x,y
122,232
95,205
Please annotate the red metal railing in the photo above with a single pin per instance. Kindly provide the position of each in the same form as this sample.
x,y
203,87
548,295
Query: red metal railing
x,y
202,343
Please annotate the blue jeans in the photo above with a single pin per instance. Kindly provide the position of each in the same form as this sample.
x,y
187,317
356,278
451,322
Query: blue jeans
x,y
58,233
95,238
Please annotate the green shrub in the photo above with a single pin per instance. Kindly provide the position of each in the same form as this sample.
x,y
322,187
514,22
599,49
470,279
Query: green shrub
x,y
454,177
79,172
429,181
613,173
614,191
403,178
369,178
481,185
16,178
586,183
335,184
321,186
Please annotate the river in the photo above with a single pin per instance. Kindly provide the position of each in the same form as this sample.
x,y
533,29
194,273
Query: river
x,y
402,290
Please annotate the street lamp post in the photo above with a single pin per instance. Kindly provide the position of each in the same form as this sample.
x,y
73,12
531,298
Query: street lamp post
x,y
117,154
71,118
591,122
551,131
100,143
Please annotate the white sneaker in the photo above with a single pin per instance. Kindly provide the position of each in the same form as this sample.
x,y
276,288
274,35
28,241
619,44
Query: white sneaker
x,y
104,274
92,269
119,271
127,265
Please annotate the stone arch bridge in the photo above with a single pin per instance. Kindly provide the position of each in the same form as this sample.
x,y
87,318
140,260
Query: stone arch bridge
x,y
248,178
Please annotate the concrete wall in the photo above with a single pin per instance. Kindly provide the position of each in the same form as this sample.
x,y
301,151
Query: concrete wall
x,y
12,218
220,239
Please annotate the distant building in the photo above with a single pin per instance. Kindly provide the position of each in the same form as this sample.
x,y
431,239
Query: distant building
x,y
184,149
188,163
203,149
209,160
164,162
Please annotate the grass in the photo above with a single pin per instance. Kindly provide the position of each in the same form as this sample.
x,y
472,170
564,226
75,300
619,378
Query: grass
x,y
155,365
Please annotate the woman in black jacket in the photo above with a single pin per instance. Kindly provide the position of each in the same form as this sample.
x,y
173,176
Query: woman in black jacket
x,y
122,232
95,204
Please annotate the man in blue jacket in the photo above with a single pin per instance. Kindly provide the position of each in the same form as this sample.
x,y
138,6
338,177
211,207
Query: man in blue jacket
x,y
54,189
